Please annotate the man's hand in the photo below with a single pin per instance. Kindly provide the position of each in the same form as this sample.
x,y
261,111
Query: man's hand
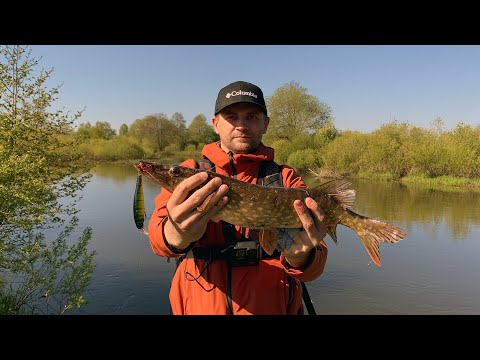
x,y
186,222
312,218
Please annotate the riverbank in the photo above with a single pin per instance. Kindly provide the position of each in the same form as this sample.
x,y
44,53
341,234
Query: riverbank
x,y
444,183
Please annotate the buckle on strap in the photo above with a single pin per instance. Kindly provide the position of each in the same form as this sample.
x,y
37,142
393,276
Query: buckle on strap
x,y
243,253
242,249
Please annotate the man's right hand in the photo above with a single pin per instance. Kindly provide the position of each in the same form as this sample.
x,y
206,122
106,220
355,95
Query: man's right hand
x,y
186,223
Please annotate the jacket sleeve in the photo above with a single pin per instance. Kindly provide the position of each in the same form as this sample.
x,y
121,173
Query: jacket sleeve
x,y
156,235
315,264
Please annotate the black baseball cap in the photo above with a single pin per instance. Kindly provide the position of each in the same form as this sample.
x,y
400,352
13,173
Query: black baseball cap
x,y
237,92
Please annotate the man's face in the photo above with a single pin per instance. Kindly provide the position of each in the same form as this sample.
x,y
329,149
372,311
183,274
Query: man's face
x,y
240,127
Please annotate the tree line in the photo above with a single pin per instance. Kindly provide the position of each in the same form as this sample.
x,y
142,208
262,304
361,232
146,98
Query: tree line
x,y
293,113
153,136
395,151
304,136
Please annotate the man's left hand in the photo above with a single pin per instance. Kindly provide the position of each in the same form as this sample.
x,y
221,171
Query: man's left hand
x,y
312,218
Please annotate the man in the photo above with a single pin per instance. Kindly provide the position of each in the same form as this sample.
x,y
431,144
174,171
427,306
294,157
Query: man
x,y
206,281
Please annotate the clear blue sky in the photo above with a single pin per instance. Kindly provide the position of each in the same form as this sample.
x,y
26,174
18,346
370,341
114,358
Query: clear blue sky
x,y
366,86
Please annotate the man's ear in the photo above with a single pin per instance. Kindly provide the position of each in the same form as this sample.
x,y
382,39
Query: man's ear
x,y
266,122
214,123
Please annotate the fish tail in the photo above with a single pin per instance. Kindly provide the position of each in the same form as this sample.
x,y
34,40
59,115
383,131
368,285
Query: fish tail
x,y
373,232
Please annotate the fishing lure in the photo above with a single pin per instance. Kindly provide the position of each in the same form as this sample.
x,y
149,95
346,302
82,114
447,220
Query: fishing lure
x,y
139,205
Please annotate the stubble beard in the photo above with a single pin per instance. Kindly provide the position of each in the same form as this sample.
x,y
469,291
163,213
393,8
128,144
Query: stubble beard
x,y
243,147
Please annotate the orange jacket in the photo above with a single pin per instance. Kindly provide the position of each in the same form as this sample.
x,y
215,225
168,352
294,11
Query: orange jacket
x,y
272,287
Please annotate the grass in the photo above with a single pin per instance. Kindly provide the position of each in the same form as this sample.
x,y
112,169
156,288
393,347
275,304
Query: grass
x,y
446,183
443,182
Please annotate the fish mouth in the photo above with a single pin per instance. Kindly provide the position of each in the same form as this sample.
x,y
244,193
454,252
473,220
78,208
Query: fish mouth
x,y
155,172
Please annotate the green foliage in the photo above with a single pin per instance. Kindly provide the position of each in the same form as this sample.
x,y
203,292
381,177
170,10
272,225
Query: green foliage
x,y
123,130
200,132
173,148
293,112
48,279
343,155
426,153
441,181
155,132
437,126
284,148
325,135
101,130
180,136
191,148
305,159
385,151
118,148
281,150
41,177
303,142
84,130
462,145
401,151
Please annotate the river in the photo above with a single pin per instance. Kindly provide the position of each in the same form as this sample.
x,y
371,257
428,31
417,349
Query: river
x,y
432,271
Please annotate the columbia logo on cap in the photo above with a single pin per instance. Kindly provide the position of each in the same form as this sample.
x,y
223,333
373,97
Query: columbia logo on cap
x,y
240,92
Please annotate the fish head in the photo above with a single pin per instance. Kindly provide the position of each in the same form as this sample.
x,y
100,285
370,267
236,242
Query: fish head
x,y
168,176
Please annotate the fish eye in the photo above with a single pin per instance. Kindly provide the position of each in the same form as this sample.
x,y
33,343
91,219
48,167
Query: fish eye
x,y
174,171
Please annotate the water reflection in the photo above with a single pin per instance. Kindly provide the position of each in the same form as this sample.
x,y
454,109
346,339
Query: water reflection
x,y
118,173
403,205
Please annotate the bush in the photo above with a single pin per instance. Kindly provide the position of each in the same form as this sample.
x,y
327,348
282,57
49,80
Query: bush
x,y
342,156
172,148
302,160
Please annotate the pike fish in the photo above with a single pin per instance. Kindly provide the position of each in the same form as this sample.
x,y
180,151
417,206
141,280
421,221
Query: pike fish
x,y
269,208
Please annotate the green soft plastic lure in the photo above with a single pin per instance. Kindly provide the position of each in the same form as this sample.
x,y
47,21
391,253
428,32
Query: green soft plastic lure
x,y
139,205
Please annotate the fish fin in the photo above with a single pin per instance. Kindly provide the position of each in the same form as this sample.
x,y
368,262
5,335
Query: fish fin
x,y
332,231
205,202
373,232
337,189
345,198
333,186
144,231
268,240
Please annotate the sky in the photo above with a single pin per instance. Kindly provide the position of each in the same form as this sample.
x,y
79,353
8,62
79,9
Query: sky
x,y
365,85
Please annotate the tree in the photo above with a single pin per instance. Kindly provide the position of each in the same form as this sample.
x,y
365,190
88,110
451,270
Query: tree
x,y
101,130
437,125
84,130
123,129
293,112
42,271
155,132
181,133
200,132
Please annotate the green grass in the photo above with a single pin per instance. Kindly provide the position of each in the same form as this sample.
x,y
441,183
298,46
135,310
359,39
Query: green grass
x,y
443,182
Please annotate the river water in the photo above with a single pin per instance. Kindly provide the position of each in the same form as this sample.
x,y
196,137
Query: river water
x,y
434,270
